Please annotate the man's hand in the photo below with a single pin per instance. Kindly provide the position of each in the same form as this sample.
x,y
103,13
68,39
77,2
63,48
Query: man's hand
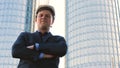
x,y
30,47
48,56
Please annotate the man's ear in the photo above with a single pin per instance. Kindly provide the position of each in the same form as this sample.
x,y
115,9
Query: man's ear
x,y
52,22
35,19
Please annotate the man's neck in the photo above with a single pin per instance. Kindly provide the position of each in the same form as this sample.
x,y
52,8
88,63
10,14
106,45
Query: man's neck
x,y
42,31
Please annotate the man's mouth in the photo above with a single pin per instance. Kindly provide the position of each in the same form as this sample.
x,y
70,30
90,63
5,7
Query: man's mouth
x,y
43,21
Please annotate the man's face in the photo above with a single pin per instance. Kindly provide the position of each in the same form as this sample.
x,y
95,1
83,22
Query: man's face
x,y
44,20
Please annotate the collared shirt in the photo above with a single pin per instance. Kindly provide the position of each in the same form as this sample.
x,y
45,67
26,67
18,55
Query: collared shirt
x,y
43,38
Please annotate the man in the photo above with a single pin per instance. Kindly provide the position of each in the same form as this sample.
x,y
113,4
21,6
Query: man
x,y
40,49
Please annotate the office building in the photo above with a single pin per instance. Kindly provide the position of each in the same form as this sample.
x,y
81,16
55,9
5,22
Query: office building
x,y
15,17
92,33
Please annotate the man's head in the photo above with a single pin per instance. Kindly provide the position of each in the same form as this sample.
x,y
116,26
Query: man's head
x,y
45,17
46,7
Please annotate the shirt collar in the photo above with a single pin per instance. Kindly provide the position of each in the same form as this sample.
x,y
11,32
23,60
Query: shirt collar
x,y
45,36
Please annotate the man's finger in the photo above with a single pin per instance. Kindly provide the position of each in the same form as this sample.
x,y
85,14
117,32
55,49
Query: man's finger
x,y
30,47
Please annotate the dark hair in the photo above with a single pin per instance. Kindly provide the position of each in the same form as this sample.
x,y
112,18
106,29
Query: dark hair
x,y
49,8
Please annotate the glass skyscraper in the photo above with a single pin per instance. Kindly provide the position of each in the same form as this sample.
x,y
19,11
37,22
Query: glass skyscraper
x,y
15,17
92,33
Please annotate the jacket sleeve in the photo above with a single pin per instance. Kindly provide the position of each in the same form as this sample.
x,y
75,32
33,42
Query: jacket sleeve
x,y
58,48
19,49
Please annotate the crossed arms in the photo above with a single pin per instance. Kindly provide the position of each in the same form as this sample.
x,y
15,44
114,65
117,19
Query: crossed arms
x,y
50,49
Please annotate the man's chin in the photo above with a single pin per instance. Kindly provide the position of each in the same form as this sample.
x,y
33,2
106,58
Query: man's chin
x,y
45,28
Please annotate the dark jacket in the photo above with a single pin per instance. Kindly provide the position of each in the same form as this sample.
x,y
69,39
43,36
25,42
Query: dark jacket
x,y
54,45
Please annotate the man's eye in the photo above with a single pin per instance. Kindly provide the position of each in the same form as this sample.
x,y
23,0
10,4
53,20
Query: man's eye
x,y
47,16
41,15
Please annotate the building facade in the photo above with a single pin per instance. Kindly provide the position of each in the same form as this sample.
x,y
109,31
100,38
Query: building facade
x,y
92,33
15,17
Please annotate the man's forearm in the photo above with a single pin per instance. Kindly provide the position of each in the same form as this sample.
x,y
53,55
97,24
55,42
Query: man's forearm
x,y
41,55
19,49
53,48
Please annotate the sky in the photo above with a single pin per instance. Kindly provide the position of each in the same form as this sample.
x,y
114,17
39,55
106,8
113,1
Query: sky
x,y
59,23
